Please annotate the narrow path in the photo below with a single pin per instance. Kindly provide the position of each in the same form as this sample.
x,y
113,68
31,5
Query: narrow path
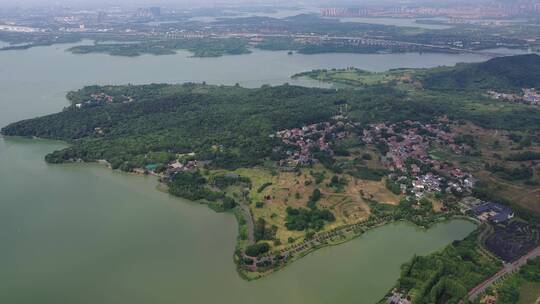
x,y
481,239
249,222
482,236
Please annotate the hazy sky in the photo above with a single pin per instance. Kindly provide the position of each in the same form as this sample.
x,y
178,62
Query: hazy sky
x,y
101,3
14,3
149,2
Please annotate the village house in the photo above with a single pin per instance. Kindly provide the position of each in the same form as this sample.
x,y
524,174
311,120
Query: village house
x,y
529,96
178,166
308,138
412,141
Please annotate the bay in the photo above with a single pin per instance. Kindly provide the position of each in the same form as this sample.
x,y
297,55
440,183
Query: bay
x,y
85,234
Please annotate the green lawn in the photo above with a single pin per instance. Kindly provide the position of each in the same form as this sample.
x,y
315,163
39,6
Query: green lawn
x,y
529,293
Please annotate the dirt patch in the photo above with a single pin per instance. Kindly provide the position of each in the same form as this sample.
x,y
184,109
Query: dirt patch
x,y
373,190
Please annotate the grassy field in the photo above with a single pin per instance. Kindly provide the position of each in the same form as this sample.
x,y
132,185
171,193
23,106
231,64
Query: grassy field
x,y
494,147
529,293
357,77
294,189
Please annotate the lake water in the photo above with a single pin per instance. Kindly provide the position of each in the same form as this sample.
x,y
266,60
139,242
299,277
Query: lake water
x,y
34,82
272,13
401,22
85,234
507,51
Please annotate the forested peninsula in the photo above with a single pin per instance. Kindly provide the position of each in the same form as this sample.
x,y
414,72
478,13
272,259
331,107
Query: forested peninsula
x,y
303,168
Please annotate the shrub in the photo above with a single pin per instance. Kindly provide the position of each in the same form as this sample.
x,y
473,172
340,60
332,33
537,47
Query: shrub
x,y
263,186
257,249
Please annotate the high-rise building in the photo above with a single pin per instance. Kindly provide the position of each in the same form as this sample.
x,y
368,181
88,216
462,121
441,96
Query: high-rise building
x,y
101,16
149,12
345,12
156,11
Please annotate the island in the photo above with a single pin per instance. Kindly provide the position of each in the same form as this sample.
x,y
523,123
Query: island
x,y
303,168
303,34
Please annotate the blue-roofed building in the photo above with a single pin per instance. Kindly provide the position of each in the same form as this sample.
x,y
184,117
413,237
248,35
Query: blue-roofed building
x,y
493,212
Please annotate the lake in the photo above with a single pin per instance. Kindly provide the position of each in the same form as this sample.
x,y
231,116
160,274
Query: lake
x,y
85,234
279,13
400,22
34,81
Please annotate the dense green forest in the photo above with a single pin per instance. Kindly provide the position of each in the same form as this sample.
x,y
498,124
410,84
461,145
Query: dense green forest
x,y
503,73
446,276
231,125
200,47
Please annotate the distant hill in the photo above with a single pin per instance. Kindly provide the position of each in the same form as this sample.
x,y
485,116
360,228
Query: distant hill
x,y
502,73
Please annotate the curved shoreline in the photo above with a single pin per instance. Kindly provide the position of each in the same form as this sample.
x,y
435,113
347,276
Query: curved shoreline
x,y
352,232
294,252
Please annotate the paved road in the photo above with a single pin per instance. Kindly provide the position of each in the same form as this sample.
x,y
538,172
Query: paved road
x,y
507,269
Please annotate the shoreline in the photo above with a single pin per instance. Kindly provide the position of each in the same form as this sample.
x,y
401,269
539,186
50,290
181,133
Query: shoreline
x,y
294,252
353,231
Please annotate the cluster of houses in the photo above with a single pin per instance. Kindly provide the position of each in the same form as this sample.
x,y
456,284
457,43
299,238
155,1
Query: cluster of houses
x,y
428,182
299,143
408,157
97,99
398,298
172,168
178,166
102,97
529,96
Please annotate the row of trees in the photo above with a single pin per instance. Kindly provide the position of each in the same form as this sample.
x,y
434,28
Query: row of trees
x,y
445,276
510,173
509,292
